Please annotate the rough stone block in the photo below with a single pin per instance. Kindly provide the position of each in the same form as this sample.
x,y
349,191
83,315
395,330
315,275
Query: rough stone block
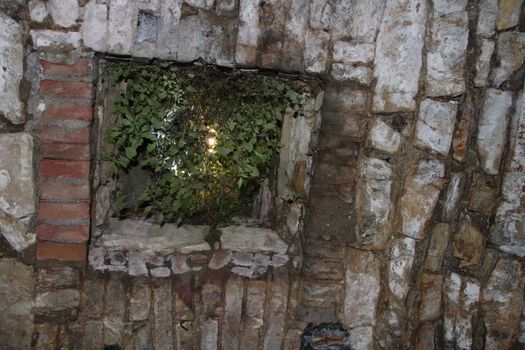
x,y
488,14
353,52
510,54
63,12
430,307
438,245
435,125
508,14
383,137
50,39
400,266
483,62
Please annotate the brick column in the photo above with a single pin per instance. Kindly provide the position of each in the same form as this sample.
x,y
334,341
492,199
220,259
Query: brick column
x,y
63,176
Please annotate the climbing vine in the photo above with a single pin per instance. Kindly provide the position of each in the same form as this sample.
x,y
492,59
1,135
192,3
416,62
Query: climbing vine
x,y
206,137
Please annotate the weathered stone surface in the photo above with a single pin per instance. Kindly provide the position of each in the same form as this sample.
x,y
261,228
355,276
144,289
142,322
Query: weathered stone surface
x,y
17,188
43,39
366,18
162,316
508,14
492,129
58,277
363,284
47,337
362,338
483,62
422,188
12,61
316,51
169,19
488,14
248,33
461,295
453,195
93,335
120,27
400,44
37,10
63,12
276,308
445,7
139,301
209,335
374,200
321,293
220,259
179,264
57,300
483,194
114,311
16,303
437,247
430,307
94,26
383,137
136,264
425,337
400,266
435,125
508,230
351,72
468,244
162,271
502,302
233,297
510,54
252,239
320,14
253,315
353,52
93,297
460,142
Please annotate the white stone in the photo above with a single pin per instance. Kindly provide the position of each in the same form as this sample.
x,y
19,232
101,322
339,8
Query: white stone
x,y
63,12
435,125
202,4
492,129
160,272
366,18
447,55
483,62
52,39
37,10
510,53
94,26
316,51
350,72
11,69
508,230
136,264
362,338
488,14
383,137
509,13
445,7
422,187
453,195
252,240
400,45
373,197
209,334
170,11
321,12
121,27
248,32
353,52
362,288
294,32
179,264
400,266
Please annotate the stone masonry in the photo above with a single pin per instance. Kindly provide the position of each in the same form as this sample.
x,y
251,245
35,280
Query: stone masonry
x,y
411,163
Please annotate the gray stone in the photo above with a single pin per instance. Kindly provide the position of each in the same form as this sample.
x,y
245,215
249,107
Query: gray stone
x,y
488,14
17,189
220,259
399,44
142,336
438,245
422,187
453,195
508,14
461,296
243,258
114,312
96,258
57,300
47,337
16,303
37,10
94,25
58,277
170,11
276,308
321,293
435,125
362,288
93,297
279,260
373,196
508,230
136,264
366,18
121,27
50,39
233,301
63,12
492,129
162,314
447,55
12,64
483,62
93,335
362,338
445,7
253,315
353,52
160,272
247,33
145,44
350,72
252,239
400,266
502,302
430,307
139,301
202,4
209,335
294,30
510,55
316,51
321,12
383,137
179,264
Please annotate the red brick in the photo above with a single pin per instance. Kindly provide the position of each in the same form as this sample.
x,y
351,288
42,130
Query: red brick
x,y
66,151
64,168
63,135
63,191
81,68
62,233
68,112
61,251
65,89
62,211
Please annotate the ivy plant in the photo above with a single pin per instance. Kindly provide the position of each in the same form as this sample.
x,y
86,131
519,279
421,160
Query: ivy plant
x,y
206,137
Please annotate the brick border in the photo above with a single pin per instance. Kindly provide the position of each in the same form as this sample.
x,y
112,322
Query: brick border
x,y
63,217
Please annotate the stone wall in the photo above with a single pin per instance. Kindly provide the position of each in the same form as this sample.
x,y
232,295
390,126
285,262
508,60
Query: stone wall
x,y
414,231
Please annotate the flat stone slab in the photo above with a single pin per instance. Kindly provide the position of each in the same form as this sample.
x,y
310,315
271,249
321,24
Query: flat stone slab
x,y
252,239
